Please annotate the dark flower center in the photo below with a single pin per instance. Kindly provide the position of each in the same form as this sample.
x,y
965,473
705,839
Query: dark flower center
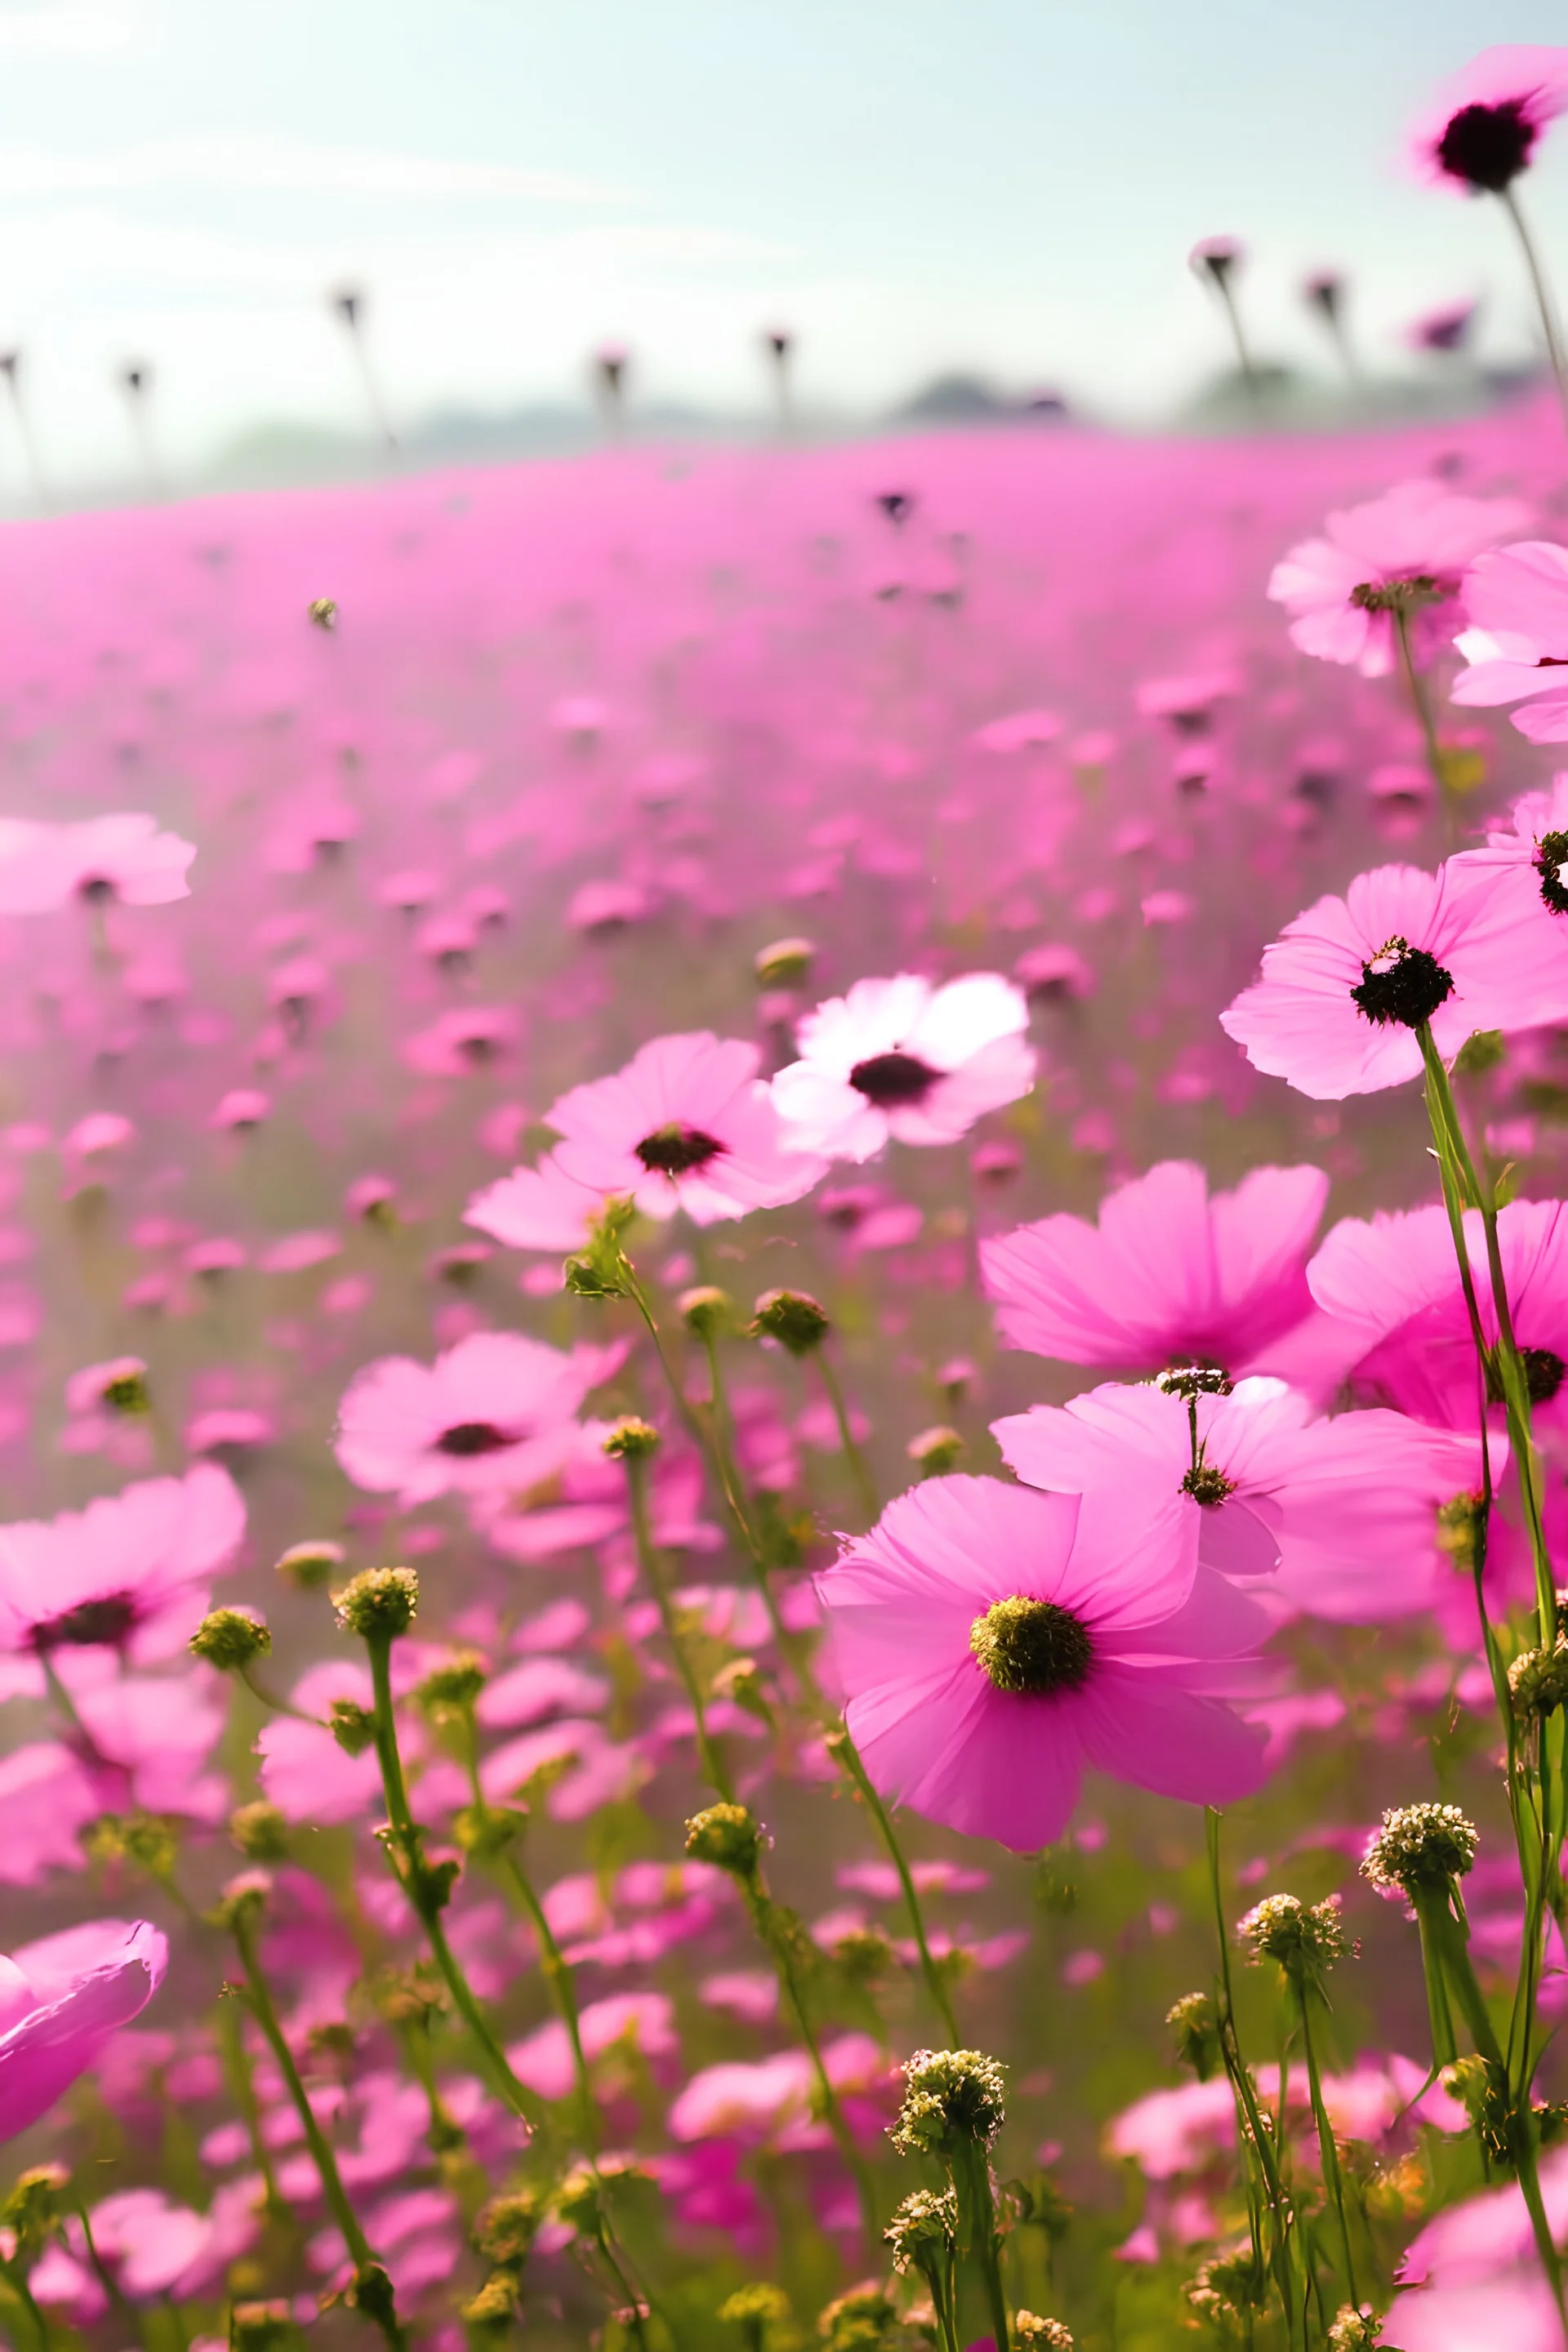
x,y
1204,1484
95,889
1551,859
1544,1370
107,1621
1487,146
1032,1647
674,1149
467,1438
890,1079
1402,984
1405,596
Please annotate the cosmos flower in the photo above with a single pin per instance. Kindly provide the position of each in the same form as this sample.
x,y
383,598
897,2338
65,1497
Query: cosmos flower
x,y
688,1124
1346,985
126,1573
1410,546
1528,864
994,1642
496,1412
538,1208
60,1999
1516,642
1481,131
1342,1515
120,859
903,1059
1168,1275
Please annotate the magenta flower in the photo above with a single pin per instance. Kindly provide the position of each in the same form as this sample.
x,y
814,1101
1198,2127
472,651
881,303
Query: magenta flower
x,y
125,1573
993,1641
1516,601
60,1999
1528,864
496,1412
1415,541
108,859
538,1208
902,1059
688,1124
1346,985
1392,1286
1344,1510
1169,1274
1480,133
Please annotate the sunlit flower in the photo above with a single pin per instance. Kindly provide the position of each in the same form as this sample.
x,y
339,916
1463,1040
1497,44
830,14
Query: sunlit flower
x,y
902,1059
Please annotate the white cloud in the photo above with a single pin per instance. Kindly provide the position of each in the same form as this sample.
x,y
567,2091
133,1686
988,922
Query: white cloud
x,y
274,165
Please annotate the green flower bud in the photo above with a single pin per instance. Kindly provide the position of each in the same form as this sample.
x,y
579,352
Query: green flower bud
x,y
727,1835
1302,1940
230,1639
858,2322
952,2098
1196,2028
631,1439
449,1693
243,1901
261,1832
35,2208
309,1566
496,2304
935,1451
784,963
352,1725
505,2229
792,1318
261,2327
706,1311
322,613
1420,1846
379,1604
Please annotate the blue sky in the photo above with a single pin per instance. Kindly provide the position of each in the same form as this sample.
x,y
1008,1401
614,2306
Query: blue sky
x,y
1010,185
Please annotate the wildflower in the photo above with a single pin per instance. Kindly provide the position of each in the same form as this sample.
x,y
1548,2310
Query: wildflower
x,y
951,2097
60,2000
1420,1846
792,1318
1033,2334
1196,2028
897,1058
122,859
1304,1939
1482,131
727,1835
378,1604
688,1124
230,1639
124,1572
495,1413
1516,641
1348,983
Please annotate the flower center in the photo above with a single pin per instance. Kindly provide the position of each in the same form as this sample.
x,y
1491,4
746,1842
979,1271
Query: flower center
x,y
1404,596
1551,864
675,1149
889,1079
1403,985
1487,146
95,889
107,1621
466,1439
1544,1371
1206,1485
1032,1647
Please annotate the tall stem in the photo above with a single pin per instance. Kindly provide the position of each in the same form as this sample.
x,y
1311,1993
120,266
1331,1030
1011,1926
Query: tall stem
x,y
1251,2126
1535,270
1328,2147
1420,700
714,1770
858,1468
842,1746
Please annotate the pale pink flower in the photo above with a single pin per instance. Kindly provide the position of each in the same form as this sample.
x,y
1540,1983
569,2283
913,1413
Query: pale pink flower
x,y
1416,532
1516,603
902,1059
118,859
128,1572
538,1208
993,1641
686,1124
1347,984
1527,866
496,1412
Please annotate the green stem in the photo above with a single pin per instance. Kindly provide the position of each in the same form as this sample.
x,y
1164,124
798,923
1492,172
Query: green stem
x,y
1419,699
841,1745
15,2278
1328,2147
1543,292
258,1997
231,2031
405,1844
714,1770
858,1468
1252,2129
977,2230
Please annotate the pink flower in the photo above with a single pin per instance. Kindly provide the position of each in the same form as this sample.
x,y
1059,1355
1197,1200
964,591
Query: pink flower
x,y
1346,1510
1347,984
1481,131
1391,1285
1527,866
643,2022
1169,1275
127,1572
900,1058
538,1208
1419,537
688,1124
1516,601
993,1641
108,858
496,1412
60,1999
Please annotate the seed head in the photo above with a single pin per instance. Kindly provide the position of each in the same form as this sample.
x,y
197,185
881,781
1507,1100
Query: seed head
x,y
1305,1940
379,1604
792,1318
952,2098
1420,1846
230,1639
728,1836
496,2304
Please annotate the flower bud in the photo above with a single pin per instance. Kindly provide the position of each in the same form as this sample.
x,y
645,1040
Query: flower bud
x,y
35,2207
784,963
451,1691
857,2322
1302,1940
309,1566
371,2293
322,613
352,1725
1355,2331
1423,1846
505,2229
706,1311
261,2327
122,1385
496,2304
936,1451
379,1604
792,1318
230,1639
261,1832
952,2098
146,1841
1538,1680
728,1836
924,2229
631,1439
754,2308
1033,2334
1196,2028
243,1901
